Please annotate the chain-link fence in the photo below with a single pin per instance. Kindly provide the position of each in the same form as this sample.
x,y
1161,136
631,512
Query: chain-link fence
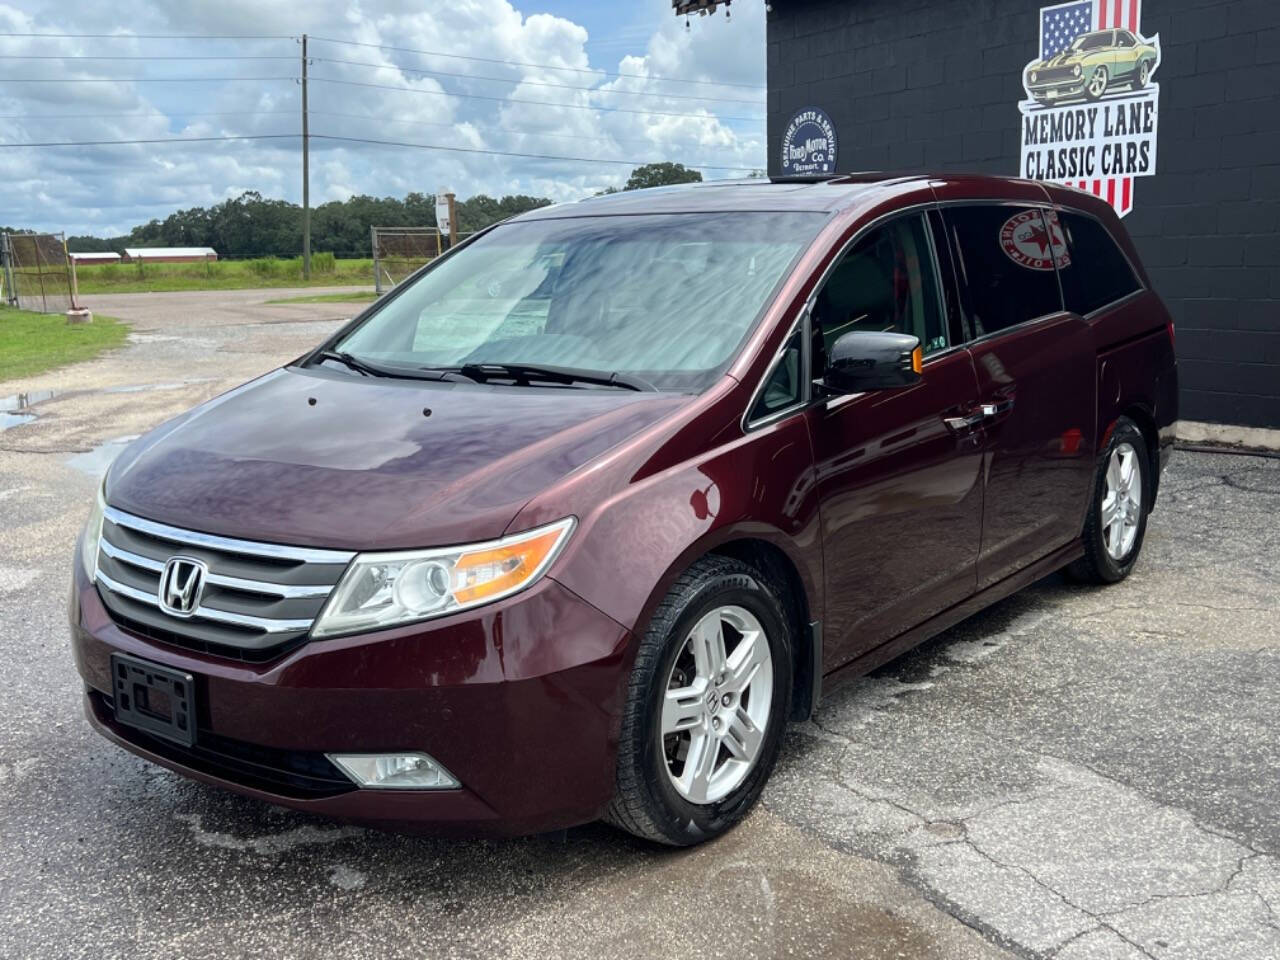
x,y
37,272
398,251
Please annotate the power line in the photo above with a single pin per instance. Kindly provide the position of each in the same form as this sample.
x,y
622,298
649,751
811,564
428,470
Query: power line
x,y
80,56
182,114
154,36
535,83
451,126
117,143
540,66
142,79
177,114
535,103
373,142
510,153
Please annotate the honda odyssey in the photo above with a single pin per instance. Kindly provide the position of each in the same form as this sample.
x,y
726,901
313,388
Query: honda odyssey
x,y
570,524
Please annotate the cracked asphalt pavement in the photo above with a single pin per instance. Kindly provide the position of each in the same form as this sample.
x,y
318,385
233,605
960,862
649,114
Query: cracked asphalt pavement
x,y
1074,773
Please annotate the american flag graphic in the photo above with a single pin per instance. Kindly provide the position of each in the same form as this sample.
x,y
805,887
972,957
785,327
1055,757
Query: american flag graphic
x,y
1061,24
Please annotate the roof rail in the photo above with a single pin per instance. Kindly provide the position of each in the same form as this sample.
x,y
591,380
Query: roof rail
x,y
806,178
853,176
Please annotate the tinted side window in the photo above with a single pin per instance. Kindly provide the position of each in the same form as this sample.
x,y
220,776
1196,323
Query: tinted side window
x,y
1005,259
1094,272
886,282
782,388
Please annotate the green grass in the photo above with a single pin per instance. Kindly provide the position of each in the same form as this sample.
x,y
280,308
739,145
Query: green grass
x,y
219,275
363,297
31,343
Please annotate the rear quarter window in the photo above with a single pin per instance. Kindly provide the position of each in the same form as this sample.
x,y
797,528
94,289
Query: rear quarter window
x,y
1095,272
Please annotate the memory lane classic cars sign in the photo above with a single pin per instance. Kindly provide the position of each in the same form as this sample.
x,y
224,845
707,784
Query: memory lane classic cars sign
x,y
809,144
1091,112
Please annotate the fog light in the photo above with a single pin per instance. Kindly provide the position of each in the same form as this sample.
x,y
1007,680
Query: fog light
x,y
395,771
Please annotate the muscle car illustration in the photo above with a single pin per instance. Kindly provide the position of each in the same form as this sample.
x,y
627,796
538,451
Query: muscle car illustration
x,y
1091,65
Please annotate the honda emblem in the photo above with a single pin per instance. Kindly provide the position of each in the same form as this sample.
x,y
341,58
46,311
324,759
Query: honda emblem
x,y
181,584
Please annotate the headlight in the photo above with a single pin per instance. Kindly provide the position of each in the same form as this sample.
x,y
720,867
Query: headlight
x,y
387,589
1075,71
1034,76
92,534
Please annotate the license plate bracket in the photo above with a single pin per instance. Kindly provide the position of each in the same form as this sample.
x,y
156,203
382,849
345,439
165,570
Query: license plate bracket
x,y
157,700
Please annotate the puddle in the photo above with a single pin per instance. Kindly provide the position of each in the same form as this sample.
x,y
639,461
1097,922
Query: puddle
x,y
17,402
8,420
13,408
96,461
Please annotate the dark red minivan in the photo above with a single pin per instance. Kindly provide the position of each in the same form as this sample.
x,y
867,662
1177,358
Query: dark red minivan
x,y
571,524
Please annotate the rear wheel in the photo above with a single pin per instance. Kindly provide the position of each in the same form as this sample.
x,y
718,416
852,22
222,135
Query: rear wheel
x,y
1117,518
706,705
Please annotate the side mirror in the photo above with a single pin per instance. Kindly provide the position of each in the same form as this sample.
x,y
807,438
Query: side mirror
x,y
870,360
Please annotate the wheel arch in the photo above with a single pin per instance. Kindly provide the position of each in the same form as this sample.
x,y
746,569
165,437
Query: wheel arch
x,y
770,559
1146,423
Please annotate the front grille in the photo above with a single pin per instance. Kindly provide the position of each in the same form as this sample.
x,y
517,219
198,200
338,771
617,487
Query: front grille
x,y
287,773
1055,75
258,600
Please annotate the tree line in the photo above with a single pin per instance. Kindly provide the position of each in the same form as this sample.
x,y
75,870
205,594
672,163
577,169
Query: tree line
x,y
252,225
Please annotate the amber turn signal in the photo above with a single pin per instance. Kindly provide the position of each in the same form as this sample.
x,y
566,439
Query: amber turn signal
x,y
917,360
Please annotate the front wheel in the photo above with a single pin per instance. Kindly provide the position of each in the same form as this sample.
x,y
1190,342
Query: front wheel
x,y
1117,519
708,698
1144,73
1097,84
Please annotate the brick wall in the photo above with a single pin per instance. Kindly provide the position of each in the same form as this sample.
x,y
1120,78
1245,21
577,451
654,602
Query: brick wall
x,y
934,84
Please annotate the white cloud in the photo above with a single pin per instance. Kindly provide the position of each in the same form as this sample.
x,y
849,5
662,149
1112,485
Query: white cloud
x,y
107,189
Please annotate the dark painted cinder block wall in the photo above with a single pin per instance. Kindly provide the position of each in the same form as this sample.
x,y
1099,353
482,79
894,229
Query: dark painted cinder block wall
x,y
934,84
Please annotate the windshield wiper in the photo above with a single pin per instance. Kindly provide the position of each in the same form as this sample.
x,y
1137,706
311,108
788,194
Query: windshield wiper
x,y
368,369
341,356
529,373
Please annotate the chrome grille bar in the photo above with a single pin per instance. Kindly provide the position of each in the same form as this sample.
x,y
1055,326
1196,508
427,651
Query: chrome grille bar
x,y
285,590
265,624
256,600
252,548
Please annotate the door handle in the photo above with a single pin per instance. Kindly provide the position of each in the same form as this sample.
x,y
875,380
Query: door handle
x,y
965,423
979,415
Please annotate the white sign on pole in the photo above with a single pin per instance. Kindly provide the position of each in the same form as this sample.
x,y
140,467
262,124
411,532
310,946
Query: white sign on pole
x,y
442,212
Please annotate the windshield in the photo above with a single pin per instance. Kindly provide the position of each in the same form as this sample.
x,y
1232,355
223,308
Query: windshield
x,y
1091,41
667,298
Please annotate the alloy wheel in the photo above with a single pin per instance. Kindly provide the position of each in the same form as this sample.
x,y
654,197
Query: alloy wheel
x,y
1144,74
1098,83
716,705
1122,501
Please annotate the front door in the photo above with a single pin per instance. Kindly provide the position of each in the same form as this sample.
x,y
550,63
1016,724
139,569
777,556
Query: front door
x,y
1035,364
900,490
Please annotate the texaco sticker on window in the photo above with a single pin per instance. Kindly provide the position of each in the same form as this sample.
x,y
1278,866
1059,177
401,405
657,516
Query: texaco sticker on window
x,y
1026,241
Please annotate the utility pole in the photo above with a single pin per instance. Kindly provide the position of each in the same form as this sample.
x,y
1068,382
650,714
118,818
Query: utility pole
x,y
306,173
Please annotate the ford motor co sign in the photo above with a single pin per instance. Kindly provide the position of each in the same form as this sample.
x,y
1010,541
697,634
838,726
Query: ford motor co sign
x,y
809,144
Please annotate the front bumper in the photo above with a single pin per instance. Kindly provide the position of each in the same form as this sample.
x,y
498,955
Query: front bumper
x,y
1058,91
519,700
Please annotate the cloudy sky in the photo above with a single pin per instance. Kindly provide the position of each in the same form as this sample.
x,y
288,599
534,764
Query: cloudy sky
x,y
621,92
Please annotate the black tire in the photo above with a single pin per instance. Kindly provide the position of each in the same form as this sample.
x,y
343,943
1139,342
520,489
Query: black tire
x,y
645,802
1098,565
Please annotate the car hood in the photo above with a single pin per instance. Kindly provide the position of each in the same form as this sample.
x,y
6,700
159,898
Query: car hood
x,y
312,458
1063,58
